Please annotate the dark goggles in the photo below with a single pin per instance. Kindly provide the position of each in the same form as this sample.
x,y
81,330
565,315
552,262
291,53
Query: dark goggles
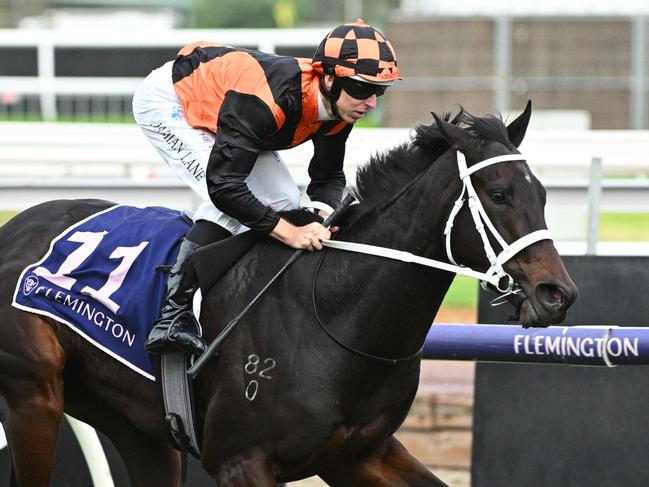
x,y
359,90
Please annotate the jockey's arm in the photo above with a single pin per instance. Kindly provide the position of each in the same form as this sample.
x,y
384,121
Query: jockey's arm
x,y
230,162
326,169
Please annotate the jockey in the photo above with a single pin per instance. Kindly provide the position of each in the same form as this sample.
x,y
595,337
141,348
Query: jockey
x,y
217,114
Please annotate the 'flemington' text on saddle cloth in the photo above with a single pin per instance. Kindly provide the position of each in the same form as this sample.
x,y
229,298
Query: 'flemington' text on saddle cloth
x,y
99,278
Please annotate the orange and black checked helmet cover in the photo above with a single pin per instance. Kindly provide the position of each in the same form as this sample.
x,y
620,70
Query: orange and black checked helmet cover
x,y
357,50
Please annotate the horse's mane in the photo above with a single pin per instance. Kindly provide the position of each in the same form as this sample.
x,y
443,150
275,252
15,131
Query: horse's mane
x,y
388,172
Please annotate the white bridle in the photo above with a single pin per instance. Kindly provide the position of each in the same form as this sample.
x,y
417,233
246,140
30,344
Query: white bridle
x,y
495,273
482,222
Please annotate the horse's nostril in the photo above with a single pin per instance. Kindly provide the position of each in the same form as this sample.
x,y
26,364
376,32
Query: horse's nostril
x,y
551,295
557,294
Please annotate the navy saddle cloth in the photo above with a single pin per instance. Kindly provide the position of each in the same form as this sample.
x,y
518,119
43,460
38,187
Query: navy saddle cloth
x,y
99,277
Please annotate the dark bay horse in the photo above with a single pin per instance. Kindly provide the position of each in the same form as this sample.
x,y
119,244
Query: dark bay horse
x,y
283,400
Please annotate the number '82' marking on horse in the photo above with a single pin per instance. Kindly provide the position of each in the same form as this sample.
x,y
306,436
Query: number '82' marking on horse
x,y
252,367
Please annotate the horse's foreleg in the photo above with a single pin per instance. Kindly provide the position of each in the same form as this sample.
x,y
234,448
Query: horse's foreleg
x,y
32,389
389,466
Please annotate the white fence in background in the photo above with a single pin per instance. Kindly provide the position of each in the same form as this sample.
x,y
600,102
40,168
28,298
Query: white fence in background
x,y
47,85
43,151
98,96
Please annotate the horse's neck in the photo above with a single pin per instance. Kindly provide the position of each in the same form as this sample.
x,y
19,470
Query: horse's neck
x,y
415,221
392,302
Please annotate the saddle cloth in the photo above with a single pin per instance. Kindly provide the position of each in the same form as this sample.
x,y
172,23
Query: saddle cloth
x,y
98,277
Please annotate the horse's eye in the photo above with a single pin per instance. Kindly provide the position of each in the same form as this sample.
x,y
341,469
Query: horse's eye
x,y
497,196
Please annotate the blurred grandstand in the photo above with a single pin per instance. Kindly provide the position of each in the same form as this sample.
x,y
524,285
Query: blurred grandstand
x,y
81,59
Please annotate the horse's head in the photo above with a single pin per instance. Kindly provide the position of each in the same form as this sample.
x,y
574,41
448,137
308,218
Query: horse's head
x,y
516,244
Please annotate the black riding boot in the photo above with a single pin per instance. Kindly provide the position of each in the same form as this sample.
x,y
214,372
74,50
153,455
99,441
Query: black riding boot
x,y
174,330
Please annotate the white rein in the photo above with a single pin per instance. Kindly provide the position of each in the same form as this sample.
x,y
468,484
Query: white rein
x,y
495,273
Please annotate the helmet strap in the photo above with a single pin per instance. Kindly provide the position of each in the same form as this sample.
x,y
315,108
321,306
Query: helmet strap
x,y
332,94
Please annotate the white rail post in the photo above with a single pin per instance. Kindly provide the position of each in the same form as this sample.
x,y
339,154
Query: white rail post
x,y
46,73
93,452
594,205
502,61
638,107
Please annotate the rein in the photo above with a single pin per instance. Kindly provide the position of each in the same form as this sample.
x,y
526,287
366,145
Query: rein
x,y
369,356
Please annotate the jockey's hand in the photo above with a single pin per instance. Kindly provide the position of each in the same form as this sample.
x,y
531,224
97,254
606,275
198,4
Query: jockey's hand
x,y
307,237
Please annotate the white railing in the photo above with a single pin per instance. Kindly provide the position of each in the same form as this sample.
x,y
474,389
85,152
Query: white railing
x,y
46,85
43,161
46,150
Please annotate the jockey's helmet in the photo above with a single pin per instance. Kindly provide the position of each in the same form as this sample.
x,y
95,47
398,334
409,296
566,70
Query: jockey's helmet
x,y
357,50
359,58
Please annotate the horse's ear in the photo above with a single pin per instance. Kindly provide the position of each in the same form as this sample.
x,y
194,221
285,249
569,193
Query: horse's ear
x,y
516,130
457,137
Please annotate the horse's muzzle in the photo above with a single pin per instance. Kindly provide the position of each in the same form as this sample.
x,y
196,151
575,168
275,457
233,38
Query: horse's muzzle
x,y
546,305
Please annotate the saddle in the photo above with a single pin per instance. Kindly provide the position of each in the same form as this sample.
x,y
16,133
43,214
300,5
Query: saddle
x,y
214,260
